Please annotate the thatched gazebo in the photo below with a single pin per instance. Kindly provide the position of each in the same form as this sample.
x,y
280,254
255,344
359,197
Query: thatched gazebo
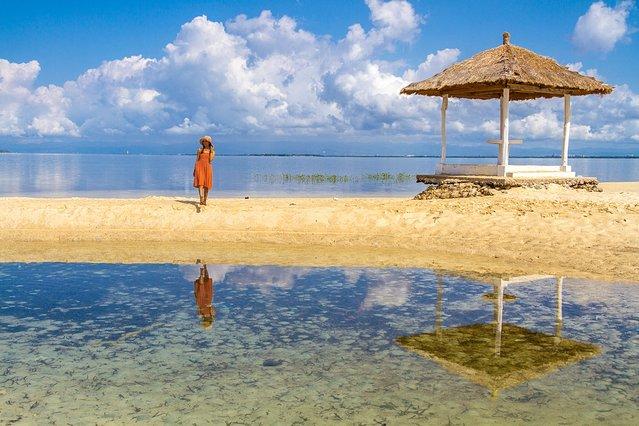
x,y
507,72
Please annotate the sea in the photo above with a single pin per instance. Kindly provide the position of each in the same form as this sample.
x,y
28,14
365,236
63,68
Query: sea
x,y
117,175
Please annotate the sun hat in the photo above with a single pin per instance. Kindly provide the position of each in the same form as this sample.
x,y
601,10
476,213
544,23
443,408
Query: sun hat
x,y
206,138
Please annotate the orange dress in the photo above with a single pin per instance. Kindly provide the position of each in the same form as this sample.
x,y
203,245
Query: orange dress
x,y
203,173
203,289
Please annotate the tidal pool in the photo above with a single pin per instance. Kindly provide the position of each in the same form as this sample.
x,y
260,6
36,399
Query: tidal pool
x,y
98,343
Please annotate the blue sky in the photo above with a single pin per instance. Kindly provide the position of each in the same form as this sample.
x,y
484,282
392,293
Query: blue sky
x,y
129,103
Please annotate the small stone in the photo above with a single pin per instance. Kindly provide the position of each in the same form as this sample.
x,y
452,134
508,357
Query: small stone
x,y
272,362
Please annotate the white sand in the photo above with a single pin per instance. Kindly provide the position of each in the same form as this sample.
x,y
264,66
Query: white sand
x,y
555,231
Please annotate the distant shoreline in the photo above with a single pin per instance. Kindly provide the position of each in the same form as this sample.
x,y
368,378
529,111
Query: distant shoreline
x,y
631,157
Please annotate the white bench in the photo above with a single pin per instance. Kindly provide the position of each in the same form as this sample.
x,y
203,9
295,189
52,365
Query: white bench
x,y
499,143
510,141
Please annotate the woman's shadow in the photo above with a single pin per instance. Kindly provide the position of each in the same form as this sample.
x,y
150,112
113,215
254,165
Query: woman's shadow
x,y
198,207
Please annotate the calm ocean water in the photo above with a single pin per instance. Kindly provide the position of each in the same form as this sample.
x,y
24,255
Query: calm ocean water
x,y
115,344
140,175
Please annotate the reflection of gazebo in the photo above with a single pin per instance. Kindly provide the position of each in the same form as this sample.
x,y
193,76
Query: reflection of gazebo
x,y
498,355
507,72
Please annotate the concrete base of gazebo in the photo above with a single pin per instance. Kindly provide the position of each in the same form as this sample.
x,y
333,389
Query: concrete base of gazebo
x,y
505,182
512,171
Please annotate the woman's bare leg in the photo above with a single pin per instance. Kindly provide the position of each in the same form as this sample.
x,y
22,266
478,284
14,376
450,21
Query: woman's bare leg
x,y
201,191
206,195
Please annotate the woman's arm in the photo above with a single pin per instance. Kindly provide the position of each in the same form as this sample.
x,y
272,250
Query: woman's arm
x,y
211,155
197,154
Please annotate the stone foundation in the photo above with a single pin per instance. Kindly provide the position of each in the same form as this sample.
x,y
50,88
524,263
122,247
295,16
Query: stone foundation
x,y
446,186
455,190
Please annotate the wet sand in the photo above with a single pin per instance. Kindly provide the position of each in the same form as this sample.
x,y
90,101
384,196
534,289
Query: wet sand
x,y
552,231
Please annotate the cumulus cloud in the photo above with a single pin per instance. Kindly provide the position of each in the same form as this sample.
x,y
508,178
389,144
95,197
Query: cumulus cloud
x,y
264,76
578,67
434,63
539,124
396,19
602,27
25,110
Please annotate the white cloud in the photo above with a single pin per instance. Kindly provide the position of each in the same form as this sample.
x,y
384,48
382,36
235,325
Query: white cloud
x,y
434,63
187,127
264,76
578,67
395,19
602,27
25,110
538,125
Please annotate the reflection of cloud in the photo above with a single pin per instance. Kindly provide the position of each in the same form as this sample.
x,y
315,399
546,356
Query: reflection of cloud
x,y
190,272
584,292
264,277
352,276
387,293
386,288
216,272
54,174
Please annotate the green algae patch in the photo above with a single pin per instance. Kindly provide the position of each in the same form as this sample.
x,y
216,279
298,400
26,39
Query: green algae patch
x,y
321,178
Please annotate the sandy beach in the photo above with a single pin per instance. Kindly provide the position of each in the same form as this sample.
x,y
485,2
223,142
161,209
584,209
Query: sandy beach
x,y
553,231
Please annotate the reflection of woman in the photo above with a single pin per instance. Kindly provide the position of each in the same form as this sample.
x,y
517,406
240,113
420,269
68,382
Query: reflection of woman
x,y
203,170
203,291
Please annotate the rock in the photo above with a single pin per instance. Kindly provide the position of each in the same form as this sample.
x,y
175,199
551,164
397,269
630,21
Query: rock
x,y
459,188
272,362
453,189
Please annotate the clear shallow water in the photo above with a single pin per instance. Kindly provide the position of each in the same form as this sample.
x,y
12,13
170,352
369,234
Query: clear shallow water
x,y
90,343
140,175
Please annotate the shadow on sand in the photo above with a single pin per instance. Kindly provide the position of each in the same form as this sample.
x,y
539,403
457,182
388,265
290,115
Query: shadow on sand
x,y
198,207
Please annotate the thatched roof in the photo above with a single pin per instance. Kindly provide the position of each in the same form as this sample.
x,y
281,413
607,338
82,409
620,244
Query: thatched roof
x,y
469,351
527,74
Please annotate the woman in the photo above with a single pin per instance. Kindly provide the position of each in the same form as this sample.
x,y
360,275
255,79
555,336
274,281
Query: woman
x,y
203,170
203,292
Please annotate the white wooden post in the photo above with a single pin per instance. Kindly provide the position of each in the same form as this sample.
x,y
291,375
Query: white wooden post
x,y
500,317
501,133
503,126
444,108
560,284
559,318
564,151
439,306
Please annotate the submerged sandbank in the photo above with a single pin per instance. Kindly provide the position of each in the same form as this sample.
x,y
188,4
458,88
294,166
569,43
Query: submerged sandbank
x,y
554,231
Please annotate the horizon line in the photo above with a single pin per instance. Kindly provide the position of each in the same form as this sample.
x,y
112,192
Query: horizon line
x,y
629,156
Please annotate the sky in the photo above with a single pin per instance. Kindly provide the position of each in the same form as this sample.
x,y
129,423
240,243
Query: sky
x,y
298,76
